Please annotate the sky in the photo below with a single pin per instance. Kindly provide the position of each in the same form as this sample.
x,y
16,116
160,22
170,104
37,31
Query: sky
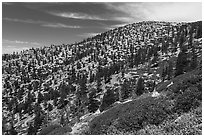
x,y
32,24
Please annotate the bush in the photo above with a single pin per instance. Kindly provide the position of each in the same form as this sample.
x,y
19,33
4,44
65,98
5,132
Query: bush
x,y
183,82
60,130
187,100
131,116
151,113
186,124
48,129
151,130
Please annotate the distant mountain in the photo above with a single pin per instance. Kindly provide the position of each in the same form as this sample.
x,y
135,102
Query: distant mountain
x,y
85,86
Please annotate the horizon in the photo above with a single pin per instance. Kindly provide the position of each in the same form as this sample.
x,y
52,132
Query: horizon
x,y
33,25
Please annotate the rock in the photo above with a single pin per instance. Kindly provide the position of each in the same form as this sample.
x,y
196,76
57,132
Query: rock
x,y
79,128
155,94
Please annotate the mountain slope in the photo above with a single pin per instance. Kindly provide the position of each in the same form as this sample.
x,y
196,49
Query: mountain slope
x,y
59,84
154,114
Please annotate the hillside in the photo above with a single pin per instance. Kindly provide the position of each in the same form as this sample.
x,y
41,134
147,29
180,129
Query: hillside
x,y
155,114
105,80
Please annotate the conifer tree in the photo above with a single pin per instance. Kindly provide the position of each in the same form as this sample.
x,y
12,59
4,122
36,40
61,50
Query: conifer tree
x,y
164,73
40,97
170,69
164,70
93,103
181,40
99,80
81,94
62,120
193,63
155,58
181,62
83,88
125,90
12,130
30,130
199,30
108,99
140,86
73,74
50,107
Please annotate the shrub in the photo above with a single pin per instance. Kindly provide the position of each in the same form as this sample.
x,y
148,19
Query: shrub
x,y
131,116
151,130
60,130
183,82
150,113
48,129
186,124
187,100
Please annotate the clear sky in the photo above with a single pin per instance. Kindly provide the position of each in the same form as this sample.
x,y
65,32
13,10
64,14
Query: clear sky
x,y
26,25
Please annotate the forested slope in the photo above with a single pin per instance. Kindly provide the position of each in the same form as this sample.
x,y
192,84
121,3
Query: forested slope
x,y
51,87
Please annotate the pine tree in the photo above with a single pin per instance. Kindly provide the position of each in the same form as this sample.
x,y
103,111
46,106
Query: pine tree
x,y
50,107
153,85
181,62
20,94
140,86
99,80
108,99
181,40
199,30
82,94
30,130
73,74
78,65
125,90
62,90
91,77
155,58
93,103
164,71
170,69
37,123
4,125
40,97
62,120
131,60
193,63
12,130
